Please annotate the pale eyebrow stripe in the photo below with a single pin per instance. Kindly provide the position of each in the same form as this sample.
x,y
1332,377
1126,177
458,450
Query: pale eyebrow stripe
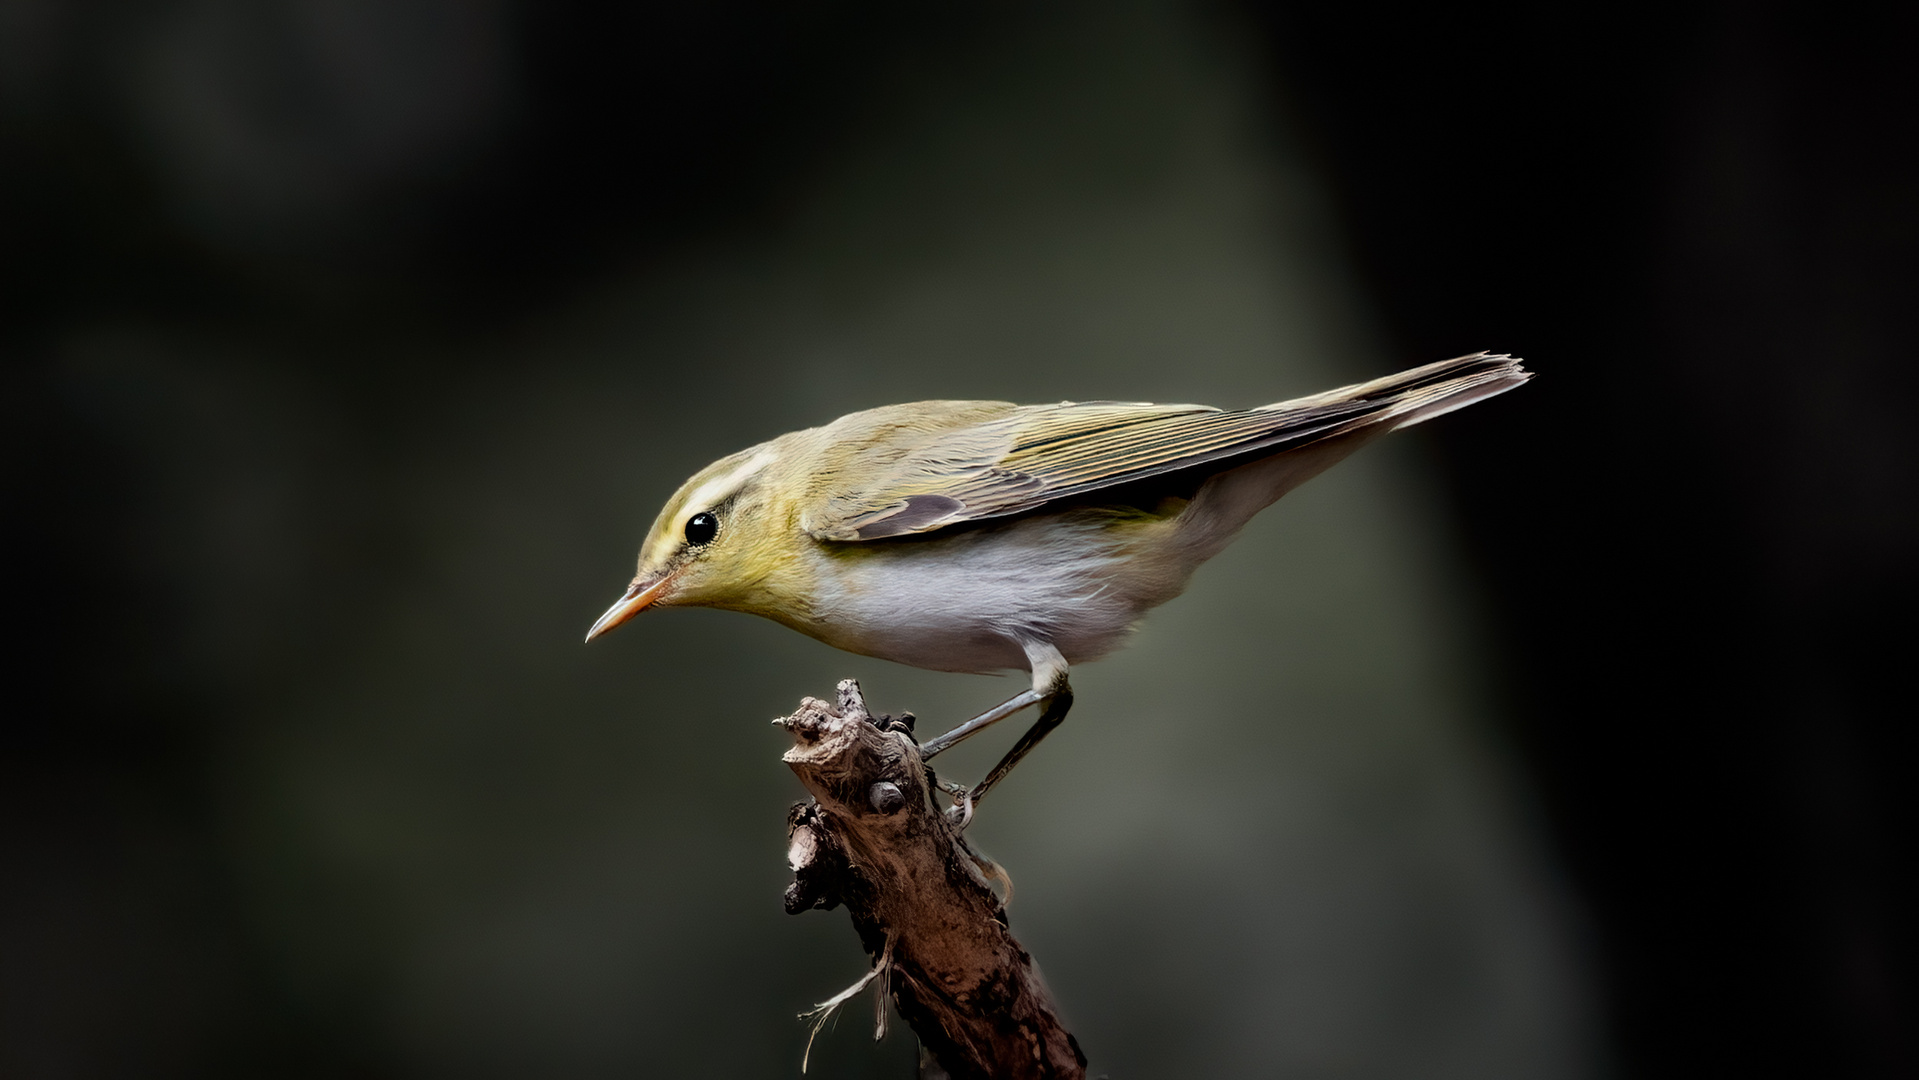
x,y
720,488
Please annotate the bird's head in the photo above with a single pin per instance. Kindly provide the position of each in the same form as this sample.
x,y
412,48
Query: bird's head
x,y
722,540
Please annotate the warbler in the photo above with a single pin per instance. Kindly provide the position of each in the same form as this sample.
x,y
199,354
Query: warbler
x,y
978,536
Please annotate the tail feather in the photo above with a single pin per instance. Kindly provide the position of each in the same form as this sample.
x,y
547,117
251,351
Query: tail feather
x,y
1421,393
1230,499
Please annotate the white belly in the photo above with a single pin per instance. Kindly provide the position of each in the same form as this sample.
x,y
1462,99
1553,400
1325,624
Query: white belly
x,y
969,600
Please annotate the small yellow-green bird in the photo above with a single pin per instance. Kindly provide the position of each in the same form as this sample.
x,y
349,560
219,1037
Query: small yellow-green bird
x,y
982,536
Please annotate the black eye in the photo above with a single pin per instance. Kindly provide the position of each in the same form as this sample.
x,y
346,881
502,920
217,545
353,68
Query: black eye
x,y
701,529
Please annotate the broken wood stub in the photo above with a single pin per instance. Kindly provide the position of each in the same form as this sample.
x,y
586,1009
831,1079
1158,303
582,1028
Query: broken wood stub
x,y
873,841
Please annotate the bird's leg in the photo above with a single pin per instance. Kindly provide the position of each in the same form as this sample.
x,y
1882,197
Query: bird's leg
x,y
1051,714
1050,691
970,728
979,723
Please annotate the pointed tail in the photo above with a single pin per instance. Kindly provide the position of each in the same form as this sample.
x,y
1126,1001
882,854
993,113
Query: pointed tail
x,y
1361,413
1421,393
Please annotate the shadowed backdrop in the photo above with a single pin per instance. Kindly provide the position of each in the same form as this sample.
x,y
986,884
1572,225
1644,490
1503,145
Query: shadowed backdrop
x,y
352,348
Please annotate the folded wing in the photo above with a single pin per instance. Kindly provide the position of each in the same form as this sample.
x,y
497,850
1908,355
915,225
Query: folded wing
x,y
1024,458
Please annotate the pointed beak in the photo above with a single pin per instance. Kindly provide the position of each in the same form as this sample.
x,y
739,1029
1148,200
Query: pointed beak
x,y
639,596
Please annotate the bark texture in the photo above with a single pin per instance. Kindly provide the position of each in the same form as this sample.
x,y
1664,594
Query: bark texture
x,y
872,840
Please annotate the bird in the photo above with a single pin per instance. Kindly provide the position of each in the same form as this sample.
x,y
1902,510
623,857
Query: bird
x,y
982,536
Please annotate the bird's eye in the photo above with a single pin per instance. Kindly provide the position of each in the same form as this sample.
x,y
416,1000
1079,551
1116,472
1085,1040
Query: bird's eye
x,y
701,529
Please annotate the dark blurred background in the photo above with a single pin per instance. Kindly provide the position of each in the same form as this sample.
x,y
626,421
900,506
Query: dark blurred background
x,y
350,348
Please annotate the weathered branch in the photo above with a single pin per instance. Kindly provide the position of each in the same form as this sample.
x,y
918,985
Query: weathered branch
x,y
872,840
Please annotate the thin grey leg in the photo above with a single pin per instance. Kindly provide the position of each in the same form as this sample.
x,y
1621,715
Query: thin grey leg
x,y
980,723
1049,718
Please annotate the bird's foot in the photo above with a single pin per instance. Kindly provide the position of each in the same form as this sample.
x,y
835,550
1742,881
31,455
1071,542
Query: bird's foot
x,y
889,722
961,812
